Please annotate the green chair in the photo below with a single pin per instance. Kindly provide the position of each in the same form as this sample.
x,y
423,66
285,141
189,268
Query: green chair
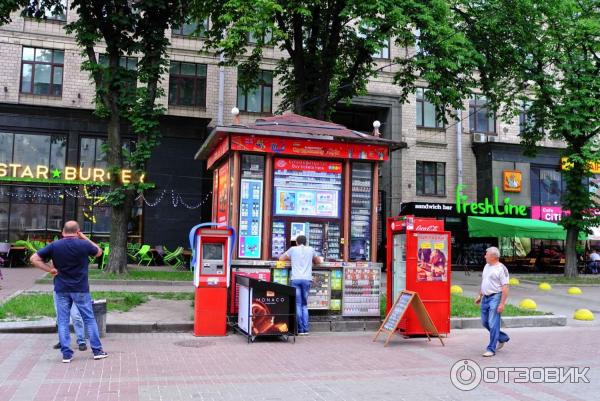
x,y
105,253
144,255
175,258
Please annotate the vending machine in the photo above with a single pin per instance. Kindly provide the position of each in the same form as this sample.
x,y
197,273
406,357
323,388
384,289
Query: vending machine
x,y
419,259
212,268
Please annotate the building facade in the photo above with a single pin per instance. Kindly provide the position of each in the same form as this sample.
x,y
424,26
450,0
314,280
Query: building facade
x,y
46,120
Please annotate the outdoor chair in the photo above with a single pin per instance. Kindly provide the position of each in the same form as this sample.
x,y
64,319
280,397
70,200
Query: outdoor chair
x,y
105,253
4,253
175,258
144,255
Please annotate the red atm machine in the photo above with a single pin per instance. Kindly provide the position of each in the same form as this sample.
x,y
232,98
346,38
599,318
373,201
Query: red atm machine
x,y
212,269
418,259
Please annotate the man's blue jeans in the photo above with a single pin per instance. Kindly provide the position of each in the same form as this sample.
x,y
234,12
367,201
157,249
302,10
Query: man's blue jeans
x,y
302,288
491,320
83,301
77,322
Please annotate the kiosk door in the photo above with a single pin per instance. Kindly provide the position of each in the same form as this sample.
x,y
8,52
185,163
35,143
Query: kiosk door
x,y
399,264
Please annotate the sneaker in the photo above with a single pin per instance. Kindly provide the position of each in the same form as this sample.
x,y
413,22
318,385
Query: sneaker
x,y
499,346
488,354
304,333
82,347
100,355
56,346
67,359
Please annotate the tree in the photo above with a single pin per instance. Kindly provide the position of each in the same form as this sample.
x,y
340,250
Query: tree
x,y
544,56
126,28
329,47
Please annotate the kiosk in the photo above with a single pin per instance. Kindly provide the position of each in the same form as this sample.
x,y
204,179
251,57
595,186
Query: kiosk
x,y
289,175
212,269
419,260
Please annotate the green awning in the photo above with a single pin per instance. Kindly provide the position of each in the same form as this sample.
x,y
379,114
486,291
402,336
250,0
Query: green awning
x,y
510,227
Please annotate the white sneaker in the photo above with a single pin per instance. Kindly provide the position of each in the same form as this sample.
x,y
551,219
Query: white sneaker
x,y
488,354
499,346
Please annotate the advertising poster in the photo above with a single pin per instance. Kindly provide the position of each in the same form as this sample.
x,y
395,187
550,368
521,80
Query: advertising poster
x,y
336,280
251,193
297,229
512,180
432,261
270,312
223,194
259,274
307,188
281,276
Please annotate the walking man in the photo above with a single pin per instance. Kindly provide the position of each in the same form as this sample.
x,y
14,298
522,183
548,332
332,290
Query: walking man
x,y
493,294
302,258
70,270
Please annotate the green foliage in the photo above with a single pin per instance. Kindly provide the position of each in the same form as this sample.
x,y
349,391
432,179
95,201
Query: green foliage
x,y
331,46
545,56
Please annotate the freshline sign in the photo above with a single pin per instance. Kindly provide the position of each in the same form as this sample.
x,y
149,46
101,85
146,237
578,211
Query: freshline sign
x,y
488,207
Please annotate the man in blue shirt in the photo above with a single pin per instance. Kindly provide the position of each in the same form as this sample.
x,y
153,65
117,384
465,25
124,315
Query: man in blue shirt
x,y
70,270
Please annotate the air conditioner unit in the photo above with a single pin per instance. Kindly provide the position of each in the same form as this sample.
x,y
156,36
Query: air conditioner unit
x,y
492,138
479,137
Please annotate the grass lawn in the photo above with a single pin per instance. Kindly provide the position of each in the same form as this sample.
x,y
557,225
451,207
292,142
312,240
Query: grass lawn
x,y
462,306
95,274
560,279
31,306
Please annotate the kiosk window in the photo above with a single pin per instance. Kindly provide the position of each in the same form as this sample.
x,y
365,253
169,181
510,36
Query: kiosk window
x,y
360,211
212,251
251,206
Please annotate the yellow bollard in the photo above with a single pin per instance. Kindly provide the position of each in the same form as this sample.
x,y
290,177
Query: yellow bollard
x,y
514,281
528,304
545,287
456,289
583,314
574,291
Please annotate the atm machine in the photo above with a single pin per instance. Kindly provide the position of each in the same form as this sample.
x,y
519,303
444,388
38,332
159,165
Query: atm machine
x,y
212,268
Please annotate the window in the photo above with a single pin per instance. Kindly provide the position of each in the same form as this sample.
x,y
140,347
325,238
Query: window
x,y
93,155
426,114
267,37
126,62
481,119
52,13
431,178
524,117
546,187
27,211
260,98
42,71
384,51
187,84
189,28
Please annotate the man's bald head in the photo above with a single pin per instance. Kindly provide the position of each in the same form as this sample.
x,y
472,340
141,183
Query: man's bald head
x,y
71,227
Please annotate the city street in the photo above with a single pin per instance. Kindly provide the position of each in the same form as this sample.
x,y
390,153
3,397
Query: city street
x,y
343,366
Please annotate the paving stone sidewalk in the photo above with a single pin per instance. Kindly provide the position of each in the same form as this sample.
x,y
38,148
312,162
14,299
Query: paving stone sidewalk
x,y
347,366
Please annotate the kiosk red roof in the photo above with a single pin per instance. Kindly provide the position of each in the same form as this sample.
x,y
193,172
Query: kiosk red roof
x,y
295,126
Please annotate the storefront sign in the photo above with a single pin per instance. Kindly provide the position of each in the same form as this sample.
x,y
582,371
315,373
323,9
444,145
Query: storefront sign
x,y
565,164
488,207
433,206
547,213
69,175
512,180
303,147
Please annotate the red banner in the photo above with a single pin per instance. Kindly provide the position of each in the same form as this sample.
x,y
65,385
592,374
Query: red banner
x,y
305,147
219,151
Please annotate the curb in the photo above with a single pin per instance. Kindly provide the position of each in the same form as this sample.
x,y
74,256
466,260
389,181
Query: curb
x,y
559,284
512,322
11,296
129,282
332,326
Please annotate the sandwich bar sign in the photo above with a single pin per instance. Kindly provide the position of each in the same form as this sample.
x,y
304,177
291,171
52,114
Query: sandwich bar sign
x,y
15,172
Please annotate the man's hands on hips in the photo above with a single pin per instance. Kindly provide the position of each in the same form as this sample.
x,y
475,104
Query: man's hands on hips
x,y
54,272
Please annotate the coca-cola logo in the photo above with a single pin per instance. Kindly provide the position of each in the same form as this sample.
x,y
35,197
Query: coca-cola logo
x,y
431,227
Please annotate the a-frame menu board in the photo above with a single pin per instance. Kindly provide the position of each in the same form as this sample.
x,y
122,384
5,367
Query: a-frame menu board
x,y
397,311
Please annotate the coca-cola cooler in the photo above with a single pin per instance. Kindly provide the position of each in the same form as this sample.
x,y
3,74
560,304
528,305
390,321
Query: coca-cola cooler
x,y
418,259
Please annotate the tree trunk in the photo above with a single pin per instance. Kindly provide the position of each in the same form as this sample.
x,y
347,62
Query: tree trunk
x,y
119,220
571,252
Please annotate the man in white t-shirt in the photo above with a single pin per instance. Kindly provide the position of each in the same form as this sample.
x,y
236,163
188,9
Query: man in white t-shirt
x,y
493,294
594,263
302,258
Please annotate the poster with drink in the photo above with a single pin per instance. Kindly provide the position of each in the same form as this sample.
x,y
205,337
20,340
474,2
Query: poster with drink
x,y
270,312
223,194
432,260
